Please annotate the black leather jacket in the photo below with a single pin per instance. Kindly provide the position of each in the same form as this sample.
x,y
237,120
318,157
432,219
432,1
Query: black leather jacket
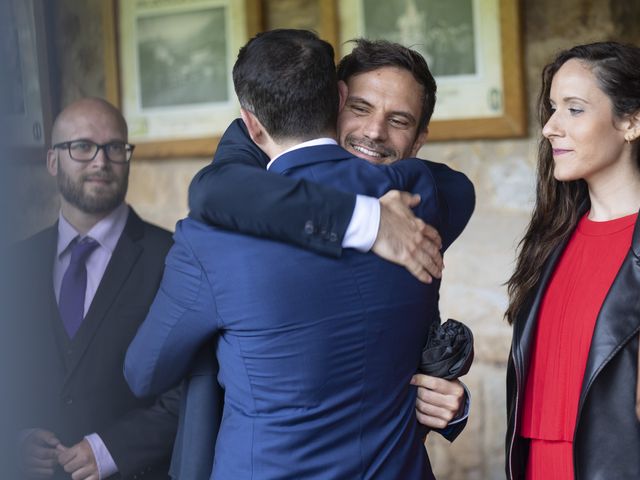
x,y
607,435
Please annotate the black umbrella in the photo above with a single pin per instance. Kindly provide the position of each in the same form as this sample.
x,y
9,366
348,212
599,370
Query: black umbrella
x,y
449,350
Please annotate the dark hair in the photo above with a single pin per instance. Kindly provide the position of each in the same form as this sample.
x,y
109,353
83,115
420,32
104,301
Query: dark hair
x,y
559,205
369,55
287,79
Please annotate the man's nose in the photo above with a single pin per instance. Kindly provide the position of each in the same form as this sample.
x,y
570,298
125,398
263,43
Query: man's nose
x,y
376,128
101,161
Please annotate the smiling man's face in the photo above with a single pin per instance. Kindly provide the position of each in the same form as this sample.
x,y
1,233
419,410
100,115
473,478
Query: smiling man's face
x,y
379,115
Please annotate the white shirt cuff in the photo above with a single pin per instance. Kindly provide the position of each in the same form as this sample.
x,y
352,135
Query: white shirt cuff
x,y
106,465
363,227
467,407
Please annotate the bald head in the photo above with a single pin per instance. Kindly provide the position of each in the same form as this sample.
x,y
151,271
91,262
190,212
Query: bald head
x,y
90,188
92,111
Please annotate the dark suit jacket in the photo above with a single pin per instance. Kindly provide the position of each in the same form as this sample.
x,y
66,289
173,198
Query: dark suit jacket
x,y
232,193
235,192
75,388
315,354
200,414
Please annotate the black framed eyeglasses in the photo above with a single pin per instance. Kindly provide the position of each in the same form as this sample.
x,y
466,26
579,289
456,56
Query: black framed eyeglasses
x,y
86,150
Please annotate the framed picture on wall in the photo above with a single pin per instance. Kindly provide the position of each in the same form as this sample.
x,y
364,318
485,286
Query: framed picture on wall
x,y
472,48
169,66
317,15
25,103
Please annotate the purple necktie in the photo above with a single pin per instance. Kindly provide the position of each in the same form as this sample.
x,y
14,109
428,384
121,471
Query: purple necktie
x,y
74,285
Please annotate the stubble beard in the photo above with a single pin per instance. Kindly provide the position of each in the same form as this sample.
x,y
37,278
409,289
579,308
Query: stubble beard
x,y
97,202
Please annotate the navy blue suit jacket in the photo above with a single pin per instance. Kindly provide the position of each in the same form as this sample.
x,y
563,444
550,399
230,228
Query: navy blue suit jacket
x,y
315,353
235,192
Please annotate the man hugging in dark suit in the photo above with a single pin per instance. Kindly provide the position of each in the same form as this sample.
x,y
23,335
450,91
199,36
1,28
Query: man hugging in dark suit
x,y
388,97
82,287
316,353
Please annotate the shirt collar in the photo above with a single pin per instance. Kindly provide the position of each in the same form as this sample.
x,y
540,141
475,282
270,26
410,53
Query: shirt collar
x,y
308,143
106,232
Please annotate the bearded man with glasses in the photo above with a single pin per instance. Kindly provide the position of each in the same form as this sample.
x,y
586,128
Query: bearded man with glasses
x,y
101,181
82,288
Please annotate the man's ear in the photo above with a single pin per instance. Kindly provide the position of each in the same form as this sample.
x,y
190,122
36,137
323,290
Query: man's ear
x,y
253,126
343,91
52,162
420,140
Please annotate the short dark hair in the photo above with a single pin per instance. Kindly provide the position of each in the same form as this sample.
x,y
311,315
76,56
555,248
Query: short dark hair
x,y
287,79
369,55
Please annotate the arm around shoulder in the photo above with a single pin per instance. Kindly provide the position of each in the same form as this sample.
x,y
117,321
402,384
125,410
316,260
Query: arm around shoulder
x,y
235,192
457,199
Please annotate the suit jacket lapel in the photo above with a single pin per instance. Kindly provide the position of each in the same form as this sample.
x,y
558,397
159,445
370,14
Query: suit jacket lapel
x,y
44,256
618,318
48,251
122,261
42,274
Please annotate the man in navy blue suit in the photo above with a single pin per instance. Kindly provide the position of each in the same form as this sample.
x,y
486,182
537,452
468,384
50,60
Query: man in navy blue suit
x,y
315,353
388,96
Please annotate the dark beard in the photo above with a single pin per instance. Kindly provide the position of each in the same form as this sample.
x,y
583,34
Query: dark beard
x,y
73,193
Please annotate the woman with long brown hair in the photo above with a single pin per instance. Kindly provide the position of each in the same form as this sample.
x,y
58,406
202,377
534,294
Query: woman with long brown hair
x,y
574,298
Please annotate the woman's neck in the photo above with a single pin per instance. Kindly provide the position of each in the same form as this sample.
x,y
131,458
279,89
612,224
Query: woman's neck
x,y
616,197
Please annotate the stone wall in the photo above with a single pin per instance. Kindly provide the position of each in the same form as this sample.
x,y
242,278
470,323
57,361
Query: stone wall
x,y
482,259
476,266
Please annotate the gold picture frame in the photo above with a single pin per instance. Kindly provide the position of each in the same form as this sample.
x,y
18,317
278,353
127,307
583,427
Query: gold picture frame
x,y
485,102
319,16
176,106
25,99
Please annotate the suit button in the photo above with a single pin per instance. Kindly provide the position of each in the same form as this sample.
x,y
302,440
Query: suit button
x,y
308,227
333,237
68,401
